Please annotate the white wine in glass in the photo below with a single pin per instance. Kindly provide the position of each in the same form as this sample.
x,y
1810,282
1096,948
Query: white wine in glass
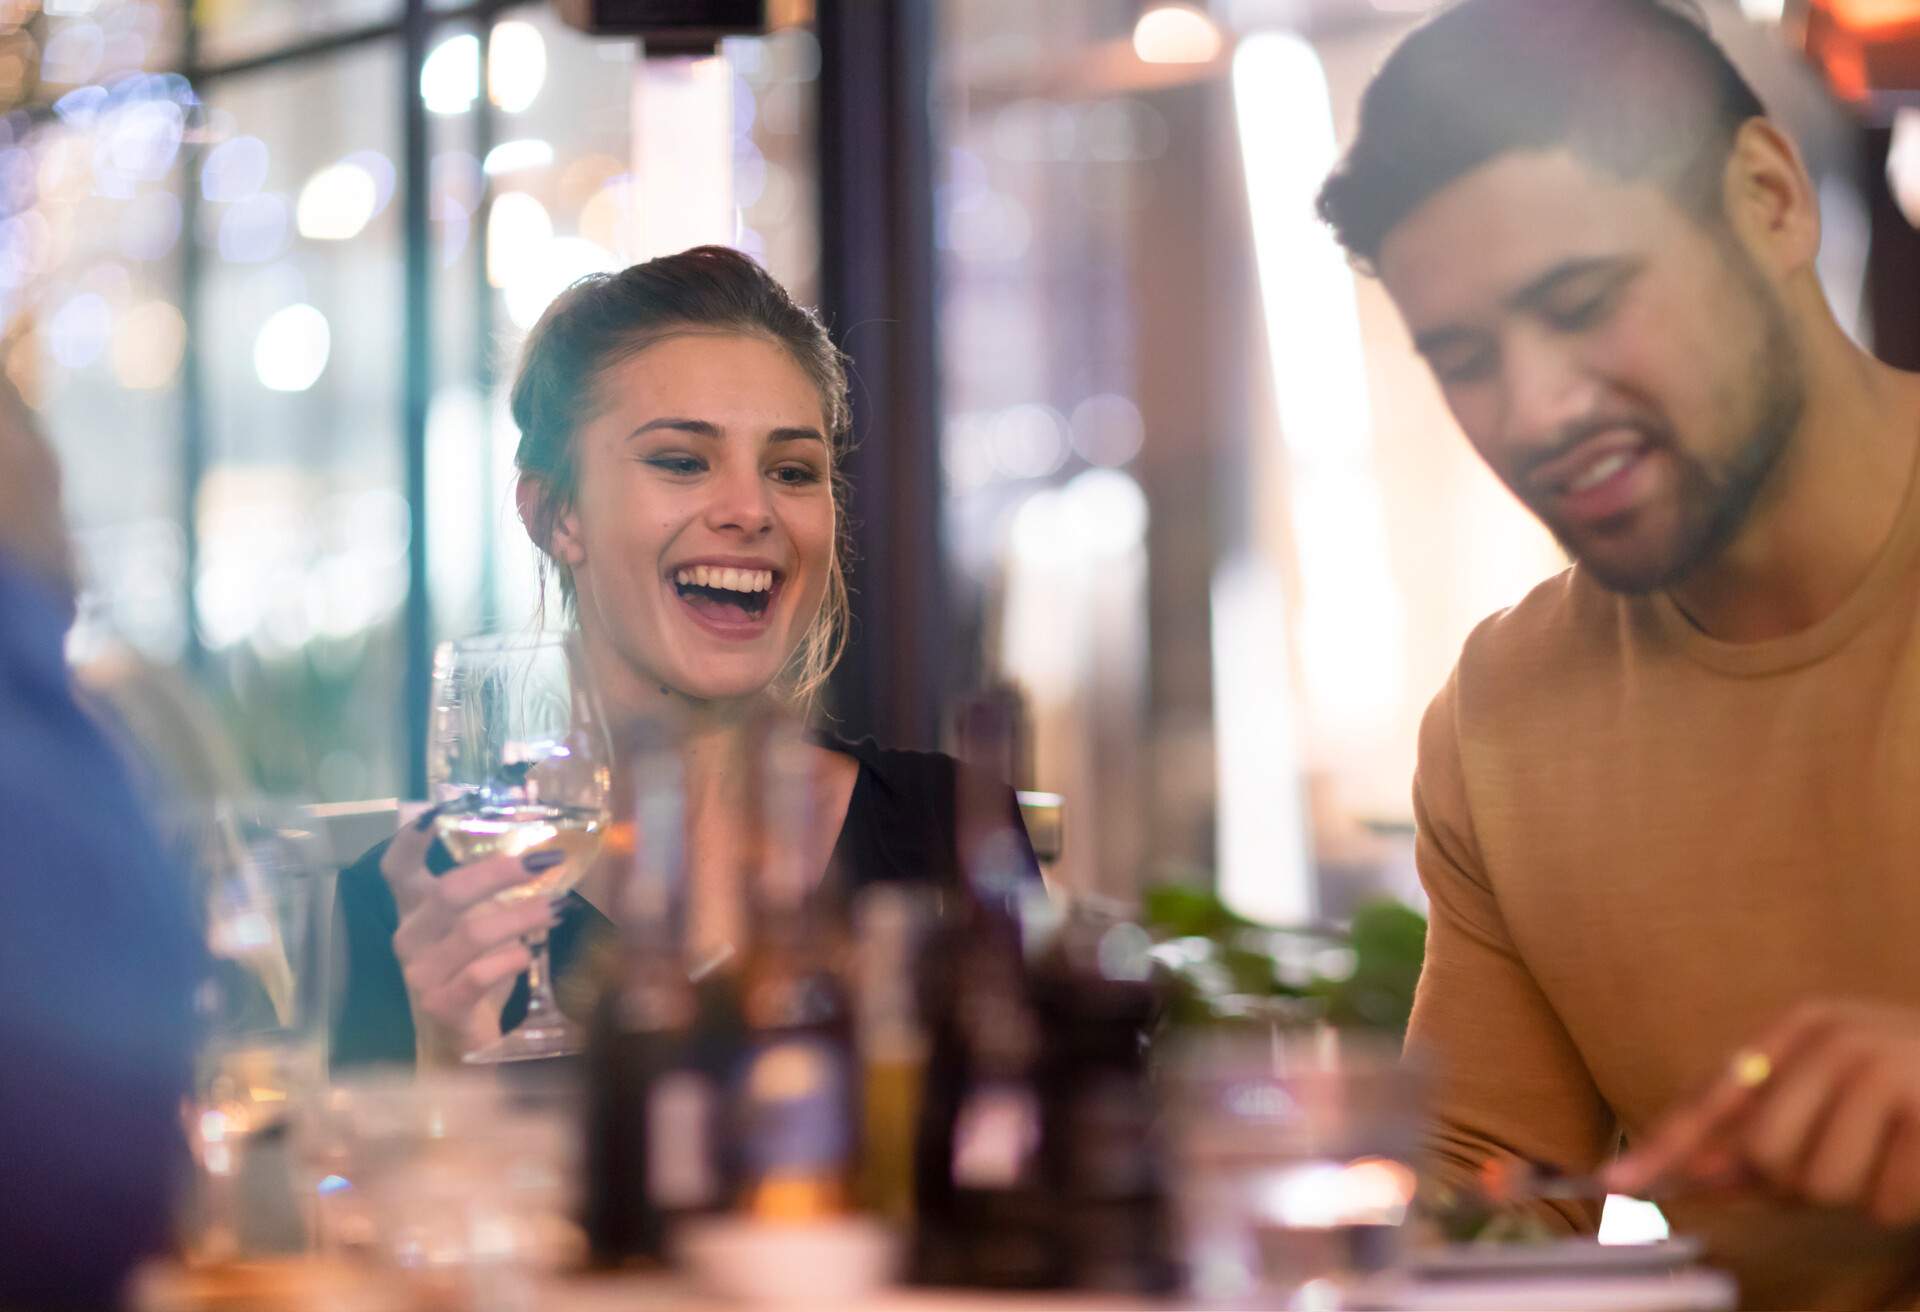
x,y
518,766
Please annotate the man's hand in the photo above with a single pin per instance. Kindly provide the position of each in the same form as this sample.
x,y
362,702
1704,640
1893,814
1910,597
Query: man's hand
x,y
32,529
1823,1107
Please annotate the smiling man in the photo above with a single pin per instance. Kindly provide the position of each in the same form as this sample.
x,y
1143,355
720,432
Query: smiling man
x,y
1667,803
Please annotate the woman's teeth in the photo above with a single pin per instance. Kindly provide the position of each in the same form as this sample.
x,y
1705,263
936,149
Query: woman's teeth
x,y
731,580
1601,470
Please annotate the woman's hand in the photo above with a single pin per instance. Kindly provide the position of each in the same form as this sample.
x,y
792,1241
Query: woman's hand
x,y
1823,1107
460,951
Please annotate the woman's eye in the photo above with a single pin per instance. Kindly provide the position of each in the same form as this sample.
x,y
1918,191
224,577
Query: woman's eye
x,y
676,464
796,475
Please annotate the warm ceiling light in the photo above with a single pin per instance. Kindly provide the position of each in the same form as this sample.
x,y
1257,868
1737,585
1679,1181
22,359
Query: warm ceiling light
x,y
1176,34
1872,15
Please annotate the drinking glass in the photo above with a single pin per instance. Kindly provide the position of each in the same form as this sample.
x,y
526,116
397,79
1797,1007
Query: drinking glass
x,y
1294,1155
263,880
518,765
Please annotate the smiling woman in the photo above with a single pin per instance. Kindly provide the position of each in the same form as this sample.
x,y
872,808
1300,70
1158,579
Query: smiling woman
x,y
652,390
681,425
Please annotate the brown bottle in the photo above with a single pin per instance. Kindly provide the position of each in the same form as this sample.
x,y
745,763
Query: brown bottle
x,y
794,1094
658,1055
985,1213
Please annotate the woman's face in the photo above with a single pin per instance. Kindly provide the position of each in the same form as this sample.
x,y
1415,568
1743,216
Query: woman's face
x,y
702,530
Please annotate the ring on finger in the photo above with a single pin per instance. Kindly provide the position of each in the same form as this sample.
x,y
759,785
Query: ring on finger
x,y
1750,1068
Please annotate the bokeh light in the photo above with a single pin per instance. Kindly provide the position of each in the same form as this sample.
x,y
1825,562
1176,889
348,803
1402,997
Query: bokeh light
x,y
518,226
516,65
148,345
337,203
234,169
77,333
291,351
1107,430
518,157
450,79
1176,34
256,229
548,270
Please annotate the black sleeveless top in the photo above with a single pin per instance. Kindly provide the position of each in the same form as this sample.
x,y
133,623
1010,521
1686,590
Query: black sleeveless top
x,y
900,827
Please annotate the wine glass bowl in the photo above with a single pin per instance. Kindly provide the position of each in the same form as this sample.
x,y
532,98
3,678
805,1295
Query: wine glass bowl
x,y
518,766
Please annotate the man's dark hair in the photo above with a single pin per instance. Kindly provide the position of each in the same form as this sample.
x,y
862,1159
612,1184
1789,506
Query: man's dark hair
x,y
1636,87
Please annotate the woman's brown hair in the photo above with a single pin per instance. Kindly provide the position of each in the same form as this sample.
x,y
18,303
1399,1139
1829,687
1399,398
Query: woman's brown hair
x,y
606,318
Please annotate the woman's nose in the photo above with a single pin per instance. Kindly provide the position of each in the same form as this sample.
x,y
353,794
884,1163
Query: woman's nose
x,y
740,503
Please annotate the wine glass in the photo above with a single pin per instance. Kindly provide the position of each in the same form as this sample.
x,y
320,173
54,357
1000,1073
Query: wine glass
x,y
518,765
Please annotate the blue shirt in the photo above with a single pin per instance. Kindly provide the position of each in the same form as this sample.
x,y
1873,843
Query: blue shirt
x,y
98,962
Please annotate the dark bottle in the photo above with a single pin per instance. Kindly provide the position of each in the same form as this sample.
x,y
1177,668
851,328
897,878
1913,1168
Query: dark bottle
x,y
890,923
657,1053
1097,1005
985,1213
794,1095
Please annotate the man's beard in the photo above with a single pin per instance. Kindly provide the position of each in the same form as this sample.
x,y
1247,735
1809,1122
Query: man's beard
x,y
1716,499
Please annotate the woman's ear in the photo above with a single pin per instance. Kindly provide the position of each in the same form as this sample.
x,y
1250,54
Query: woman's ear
x,y
556,533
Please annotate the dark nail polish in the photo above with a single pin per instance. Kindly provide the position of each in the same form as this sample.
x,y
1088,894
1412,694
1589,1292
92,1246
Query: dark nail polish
x,y
427,817
535,862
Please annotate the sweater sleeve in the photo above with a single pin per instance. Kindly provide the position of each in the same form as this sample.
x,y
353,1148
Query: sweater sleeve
x,y
1507,1078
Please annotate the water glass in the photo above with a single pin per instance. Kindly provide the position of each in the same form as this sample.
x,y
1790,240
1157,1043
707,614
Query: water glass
x,y
263,880
1294,1160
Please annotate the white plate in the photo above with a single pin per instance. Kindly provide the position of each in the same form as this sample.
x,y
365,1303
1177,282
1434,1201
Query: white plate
x,y
1556,1257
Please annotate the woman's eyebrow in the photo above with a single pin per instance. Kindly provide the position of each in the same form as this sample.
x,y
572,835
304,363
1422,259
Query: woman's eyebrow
x,y
697,427
796,435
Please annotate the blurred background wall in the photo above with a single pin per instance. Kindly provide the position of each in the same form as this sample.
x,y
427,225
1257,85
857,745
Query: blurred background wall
x,y
1133,438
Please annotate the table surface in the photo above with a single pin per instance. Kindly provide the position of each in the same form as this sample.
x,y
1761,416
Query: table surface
x,y
280,1286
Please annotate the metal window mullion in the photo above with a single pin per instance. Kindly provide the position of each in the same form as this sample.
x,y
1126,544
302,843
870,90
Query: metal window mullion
x,y
417,390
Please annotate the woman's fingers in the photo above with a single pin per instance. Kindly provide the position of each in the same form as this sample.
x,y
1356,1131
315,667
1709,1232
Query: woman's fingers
x,y
404,863
455,1000
429,961
446,899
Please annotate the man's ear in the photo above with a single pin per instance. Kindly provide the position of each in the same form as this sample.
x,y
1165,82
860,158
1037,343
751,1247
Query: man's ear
x,y
1770,199
562,541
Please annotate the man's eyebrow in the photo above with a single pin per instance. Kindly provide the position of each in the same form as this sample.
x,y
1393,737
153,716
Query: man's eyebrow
x,y
1530,297
1439,339
1540,289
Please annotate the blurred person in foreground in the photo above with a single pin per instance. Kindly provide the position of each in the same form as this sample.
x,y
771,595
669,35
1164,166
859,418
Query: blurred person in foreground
x,y
97,955
1666,804
682,424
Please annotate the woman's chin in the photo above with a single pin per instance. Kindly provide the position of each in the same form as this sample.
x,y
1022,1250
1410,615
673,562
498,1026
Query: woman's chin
x,y
724,685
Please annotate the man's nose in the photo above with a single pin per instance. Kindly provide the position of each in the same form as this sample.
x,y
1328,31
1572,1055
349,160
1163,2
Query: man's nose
x,y
1544,391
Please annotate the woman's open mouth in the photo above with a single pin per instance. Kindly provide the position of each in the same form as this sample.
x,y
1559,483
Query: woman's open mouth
x,y
731,603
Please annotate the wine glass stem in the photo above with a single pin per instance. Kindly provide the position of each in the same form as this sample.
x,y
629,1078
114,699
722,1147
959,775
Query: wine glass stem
x,y
542,1009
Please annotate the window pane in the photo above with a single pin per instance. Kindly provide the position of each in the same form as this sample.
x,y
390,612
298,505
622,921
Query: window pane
x,y
77,47
89,284
236,29
302,514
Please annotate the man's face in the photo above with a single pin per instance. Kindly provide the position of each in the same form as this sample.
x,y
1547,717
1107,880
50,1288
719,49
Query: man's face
x,y
1626,370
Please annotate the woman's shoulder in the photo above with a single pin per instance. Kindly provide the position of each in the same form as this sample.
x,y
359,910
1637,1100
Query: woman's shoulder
x,y
900,773
903,821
